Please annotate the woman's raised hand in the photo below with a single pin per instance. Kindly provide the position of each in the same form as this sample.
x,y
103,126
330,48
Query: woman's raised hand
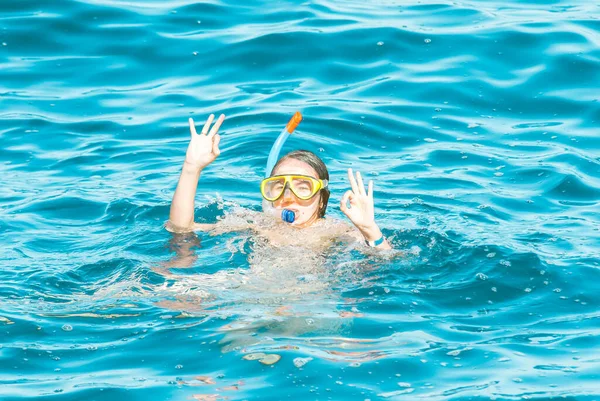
x,y
361,211
204,147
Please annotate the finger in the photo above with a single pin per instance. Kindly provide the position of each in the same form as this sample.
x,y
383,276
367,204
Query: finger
x,y
192,127
352,181
361,186
208,123
215,147
344,202
217,125
370,193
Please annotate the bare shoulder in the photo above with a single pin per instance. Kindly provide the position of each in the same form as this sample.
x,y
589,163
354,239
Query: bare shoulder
x,y
172,228
205,226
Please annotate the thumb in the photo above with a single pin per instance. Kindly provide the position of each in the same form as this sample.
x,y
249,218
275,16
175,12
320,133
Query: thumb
x,y
215,146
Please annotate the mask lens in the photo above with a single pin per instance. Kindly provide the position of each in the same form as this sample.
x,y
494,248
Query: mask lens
x,y
273,188
304,188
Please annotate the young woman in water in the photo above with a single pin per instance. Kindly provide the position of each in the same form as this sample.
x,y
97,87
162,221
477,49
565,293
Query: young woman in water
x,y
297,186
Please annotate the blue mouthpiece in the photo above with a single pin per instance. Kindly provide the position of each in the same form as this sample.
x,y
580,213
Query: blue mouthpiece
x,y
288,216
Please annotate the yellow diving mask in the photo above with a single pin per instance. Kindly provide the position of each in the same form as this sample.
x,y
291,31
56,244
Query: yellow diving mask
x,y
303,186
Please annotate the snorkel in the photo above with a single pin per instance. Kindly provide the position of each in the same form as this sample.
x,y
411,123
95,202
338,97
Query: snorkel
x,y
286,215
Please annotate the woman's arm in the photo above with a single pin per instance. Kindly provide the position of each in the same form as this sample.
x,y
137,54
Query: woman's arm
x,y
362,211
202,150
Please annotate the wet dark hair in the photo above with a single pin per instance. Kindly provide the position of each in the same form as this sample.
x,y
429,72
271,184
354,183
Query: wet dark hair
x,y
317,164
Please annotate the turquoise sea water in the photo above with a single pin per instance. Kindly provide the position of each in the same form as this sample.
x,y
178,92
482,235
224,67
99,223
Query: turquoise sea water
x,y
479,122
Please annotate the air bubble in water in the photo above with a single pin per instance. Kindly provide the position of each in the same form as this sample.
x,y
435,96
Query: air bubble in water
x,y
299,362
428,41
67,327
379,43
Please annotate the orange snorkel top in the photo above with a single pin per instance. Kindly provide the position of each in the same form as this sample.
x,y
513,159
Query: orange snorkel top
x,y
294,121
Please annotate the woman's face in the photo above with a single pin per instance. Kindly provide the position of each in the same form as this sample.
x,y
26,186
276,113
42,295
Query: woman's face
x,y
306,211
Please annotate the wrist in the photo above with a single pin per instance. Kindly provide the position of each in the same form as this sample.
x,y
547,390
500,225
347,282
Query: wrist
x,y
371,232
191,168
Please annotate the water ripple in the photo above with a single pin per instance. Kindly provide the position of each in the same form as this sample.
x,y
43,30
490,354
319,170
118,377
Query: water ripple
x,y
477,121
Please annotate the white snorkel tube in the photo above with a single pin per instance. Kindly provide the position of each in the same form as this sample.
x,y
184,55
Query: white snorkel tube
x,y
286,215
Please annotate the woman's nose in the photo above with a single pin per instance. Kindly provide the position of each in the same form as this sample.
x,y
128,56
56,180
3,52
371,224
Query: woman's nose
x,y
288,197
